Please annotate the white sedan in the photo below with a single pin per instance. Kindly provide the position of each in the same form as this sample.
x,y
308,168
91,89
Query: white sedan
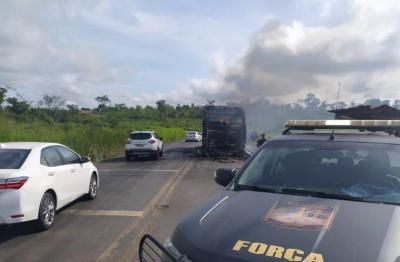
x,y
37,179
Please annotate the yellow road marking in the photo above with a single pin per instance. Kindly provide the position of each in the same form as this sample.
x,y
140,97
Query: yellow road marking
x,y
120,213
150,205
131,253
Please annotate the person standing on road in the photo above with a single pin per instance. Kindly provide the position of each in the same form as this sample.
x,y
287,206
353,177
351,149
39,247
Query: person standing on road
x,y
261,141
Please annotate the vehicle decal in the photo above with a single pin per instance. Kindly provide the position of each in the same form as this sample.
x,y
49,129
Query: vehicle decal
x,y
288,254
301,215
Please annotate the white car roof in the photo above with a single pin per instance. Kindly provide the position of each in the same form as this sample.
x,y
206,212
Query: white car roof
x,y
25,145
135,132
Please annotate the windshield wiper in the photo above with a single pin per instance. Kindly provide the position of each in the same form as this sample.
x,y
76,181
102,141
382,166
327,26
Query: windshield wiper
x,y
305,192
257,188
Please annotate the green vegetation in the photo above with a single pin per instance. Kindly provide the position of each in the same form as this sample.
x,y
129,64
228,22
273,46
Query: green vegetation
x,y
99,133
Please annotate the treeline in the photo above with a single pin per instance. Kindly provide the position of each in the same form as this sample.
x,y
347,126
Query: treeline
x,y
53,109
99,132
263,115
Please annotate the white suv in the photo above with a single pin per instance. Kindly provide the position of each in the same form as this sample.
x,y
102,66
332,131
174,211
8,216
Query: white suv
x,y
143,143
193,136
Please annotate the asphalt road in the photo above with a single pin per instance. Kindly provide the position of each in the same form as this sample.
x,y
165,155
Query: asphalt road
x,y
134,198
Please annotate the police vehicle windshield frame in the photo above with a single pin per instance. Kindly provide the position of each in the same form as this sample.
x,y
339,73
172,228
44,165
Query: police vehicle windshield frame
x,y
349,146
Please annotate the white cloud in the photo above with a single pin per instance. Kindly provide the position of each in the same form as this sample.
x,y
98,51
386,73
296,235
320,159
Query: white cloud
x,y
286,61
38,57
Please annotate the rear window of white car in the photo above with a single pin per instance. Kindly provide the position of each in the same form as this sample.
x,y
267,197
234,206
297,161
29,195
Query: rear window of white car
x,y
13,158
192,133
140,136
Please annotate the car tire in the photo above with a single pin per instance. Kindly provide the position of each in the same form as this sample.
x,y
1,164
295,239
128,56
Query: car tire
x,y
93,186
47,212
156,155
162,152
127,157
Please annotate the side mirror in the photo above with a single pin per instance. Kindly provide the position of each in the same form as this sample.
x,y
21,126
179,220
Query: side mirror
x,y
85,159
223,176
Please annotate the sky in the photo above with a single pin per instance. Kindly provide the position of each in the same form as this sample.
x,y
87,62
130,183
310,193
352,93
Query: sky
x,y
189,51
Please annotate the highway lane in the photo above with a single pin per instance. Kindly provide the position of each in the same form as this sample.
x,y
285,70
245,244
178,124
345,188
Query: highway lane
x,y
134,198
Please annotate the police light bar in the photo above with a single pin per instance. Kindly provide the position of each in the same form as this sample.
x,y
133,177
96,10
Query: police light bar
x,y
390,126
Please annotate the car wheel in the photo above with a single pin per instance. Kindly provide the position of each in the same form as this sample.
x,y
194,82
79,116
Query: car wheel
x,y
156,155
47,212
162,151
127,157
93,186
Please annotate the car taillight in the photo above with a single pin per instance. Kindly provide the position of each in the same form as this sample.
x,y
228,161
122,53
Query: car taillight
x,y
13,183
152,141
128,141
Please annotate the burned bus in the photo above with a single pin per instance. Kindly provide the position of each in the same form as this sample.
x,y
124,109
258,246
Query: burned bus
x,y
224,131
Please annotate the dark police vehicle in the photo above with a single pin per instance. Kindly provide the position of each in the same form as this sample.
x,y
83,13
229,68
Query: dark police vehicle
x,y
326,190
224,131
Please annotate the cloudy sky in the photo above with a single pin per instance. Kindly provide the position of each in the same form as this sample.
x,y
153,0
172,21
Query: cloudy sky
x,y
140,51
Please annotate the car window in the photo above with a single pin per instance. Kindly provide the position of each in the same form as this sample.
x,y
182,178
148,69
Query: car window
x,y
13,158
140,136
366,170
67,155
43,160
52,157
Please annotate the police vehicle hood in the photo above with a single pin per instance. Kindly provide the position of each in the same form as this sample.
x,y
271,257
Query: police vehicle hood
x,y
259,226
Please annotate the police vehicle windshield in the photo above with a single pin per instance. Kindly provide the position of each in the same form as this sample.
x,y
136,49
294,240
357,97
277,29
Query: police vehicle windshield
x,y
356,171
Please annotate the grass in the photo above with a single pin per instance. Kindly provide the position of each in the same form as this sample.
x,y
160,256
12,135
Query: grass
x,y
97,142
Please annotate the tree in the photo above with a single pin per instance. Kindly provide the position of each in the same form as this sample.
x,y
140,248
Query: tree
x,y
3,93
103,101
210,102
73,108
311,102
397,104
162,108
17,107
52,102
376,102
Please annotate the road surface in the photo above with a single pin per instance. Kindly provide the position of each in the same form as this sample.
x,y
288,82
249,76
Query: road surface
x,y
134,198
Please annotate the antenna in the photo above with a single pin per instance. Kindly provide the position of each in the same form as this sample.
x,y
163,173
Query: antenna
x,y
337,96
332,136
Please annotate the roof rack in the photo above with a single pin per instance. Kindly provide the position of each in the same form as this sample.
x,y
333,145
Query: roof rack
x,y
387,126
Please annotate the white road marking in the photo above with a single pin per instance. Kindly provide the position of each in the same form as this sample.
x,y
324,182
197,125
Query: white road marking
x,y
119,213
162,170
119,170
146,170
151,206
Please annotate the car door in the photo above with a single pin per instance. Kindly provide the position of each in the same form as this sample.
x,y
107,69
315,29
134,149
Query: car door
x,y
58,174
79,173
